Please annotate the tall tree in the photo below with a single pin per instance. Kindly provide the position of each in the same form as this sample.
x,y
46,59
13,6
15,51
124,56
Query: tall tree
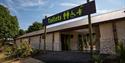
x,y
34,27
9,26
21,32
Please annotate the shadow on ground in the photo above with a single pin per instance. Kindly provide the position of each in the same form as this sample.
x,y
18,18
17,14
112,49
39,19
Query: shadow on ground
x,y
70,57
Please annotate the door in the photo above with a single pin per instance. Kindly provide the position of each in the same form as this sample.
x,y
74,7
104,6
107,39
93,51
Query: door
x,y
65,42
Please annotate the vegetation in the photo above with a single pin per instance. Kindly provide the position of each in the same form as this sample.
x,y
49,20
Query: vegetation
x,y
34,27
97,58
9,26
21,51
121,52
21,32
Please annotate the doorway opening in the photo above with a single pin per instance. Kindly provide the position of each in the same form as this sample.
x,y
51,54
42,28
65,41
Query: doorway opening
x,y
65,42
78,40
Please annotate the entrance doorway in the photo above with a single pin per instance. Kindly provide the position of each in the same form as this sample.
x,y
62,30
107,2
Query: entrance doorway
x,y
65,42
78,40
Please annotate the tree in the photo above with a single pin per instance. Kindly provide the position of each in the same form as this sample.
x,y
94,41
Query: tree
x,y
21,32
34,27
9,26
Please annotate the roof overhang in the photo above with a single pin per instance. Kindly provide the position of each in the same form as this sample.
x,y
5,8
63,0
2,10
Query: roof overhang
x,y
80,22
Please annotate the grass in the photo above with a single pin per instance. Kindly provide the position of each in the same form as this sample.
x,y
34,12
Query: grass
x,y
3,58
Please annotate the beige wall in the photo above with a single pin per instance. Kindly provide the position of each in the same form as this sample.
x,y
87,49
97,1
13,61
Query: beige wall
x,y
106,42
57,42
25,40
42,43
17,42
34,41
49,38
74,41
120,25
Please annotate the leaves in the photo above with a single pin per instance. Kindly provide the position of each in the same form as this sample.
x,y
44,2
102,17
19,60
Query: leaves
x,y
23,50
34,27
8,24
97,58
121,52
21,32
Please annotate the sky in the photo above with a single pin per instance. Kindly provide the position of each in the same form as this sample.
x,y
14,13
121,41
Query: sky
x,y
29,11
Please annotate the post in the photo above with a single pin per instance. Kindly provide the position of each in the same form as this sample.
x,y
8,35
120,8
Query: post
x,y
53,42
90,33
45,36
14,39
115,35
97,32
29,40
40,42
15,44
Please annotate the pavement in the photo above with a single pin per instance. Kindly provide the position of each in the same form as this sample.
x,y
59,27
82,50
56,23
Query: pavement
x,y
64,57
28,60
70,57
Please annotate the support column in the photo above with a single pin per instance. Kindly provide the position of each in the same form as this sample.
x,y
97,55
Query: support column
x,y
29,40
21,40
97,31
53,42
115,35
40,42
90,33
45,37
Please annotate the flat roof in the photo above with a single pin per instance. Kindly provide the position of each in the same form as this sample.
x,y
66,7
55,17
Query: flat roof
x,y
79,22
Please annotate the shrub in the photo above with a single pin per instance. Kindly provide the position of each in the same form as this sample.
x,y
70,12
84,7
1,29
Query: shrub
x,y
121,52
35,51
23,50
97,58
9,51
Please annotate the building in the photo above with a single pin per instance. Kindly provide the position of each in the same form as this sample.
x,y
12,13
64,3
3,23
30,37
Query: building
x,y
108,29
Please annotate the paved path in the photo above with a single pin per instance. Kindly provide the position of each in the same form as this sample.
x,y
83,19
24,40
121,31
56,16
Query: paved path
x,y
65,57
28,60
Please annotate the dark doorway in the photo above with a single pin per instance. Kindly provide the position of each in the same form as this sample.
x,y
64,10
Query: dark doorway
x,y
65,42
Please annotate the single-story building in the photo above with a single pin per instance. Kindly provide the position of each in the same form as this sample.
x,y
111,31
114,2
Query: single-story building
x,y
73,35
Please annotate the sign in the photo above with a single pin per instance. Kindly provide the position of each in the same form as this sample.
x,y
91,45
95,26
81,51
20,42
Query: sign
x,y
75,12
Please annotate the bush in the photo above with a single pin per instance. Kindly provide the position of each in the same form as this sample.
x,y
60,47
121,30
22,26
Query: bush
x,y
9,51
35,52
23,50
121,52
97,58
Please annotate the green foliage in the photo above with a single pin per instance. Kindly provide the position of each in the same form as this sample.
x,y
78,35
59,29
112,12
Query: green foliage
x,y
23,50
34,27
21,32
97,58
8,24
9,51
121,52
35,51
